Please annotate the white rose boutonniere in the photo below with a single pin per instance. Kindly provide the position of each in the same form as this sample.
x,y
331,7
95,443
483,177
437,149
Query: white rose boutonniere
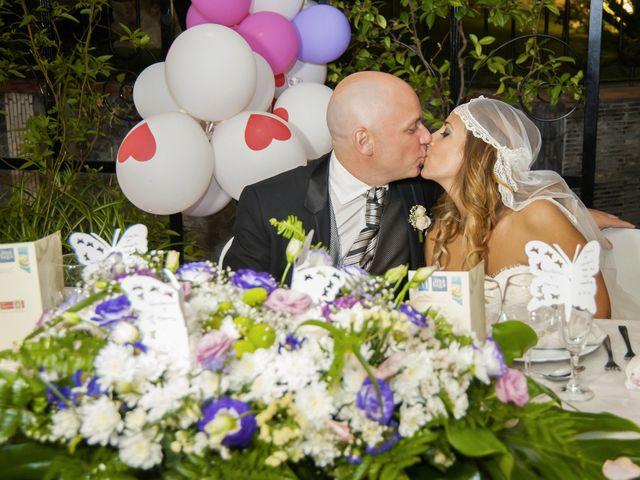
x,y
419,220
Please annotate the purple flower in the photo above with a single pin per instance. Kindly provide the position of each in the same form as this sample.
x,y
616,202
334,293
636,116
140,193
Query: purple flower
x,y
291,343
113,310
93,388
147,272
414,315
195,271
386,444
212,350
67,394
492,358
512,387
368,401
231,419
289,301
347,301
246,278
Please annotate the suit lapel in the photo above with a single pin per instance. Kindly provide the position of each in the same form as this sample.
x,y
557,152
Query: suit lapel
x,y
317,200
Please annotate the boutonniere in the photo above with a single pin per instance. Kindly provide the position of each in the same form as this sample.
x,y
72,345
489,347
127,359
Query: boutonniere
x,y
419,220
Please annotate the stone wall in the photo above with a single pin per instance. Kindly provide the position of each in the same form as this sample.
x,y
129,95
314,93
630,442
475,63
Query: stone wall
x,y
617,176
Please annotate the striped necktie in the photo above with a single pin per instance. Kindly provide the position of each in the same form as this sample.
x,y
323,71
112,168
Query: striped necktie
x,y
364,248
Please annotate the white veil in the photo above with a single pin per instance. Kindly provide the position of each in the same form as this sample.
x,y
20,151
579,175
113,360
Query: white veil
x,y
517,141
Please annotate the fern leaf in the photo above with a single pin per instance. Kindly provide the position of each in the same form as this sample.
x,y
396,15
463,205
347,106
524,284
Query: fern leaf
x,y
291,227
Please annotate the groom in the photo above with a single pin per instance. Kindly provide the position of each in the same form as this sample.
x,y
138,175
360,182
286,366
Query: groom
x,y
379,140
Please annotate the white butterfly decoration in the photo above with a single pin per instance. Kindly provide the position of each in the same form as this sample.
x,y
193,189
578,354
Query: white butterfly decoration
x,y
90,248
161,321
557,280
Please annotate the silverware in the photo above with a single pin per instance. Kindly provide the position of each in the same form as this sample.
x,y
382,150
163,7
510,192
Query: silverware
x,y
625,336
611,364
559,375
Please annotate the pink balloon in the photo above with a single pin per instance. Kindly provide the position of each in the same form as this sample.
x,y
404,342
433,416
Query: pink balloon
x,y
224,12
272,36
194,17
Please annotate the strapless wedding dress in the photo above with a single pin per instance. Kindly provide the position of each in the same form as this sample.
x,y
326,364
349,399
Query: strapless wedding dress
x,y
503,275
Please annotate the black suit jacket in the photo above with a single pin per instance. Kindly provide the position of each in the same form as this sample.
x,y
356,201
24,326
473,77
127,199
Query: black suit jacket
x,y
304,192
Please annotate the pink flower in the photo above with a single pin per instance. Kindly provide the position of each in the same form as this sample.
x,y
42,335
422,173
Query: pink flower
x,y
341,429
390,366
212,349
620,469
512,387
289,301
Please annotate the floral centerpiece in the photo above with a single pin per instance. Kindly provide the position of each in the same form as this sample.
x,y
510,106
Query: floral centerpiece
x,y
273,384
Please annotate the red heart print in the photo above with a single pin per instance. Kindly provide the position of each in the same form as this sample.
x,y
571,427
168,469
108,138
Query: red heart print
x,y
140,145
261,130
282,113
279,79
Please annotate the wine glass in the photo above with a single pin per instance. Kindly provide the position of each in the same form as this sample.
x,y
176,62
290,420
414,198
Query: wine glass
x,y
575,330
492,301
72,275
515,303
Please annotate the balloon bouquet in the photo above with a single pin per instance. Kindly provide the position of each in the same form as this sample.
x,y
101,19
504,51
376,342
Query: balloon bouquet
x,y
210,125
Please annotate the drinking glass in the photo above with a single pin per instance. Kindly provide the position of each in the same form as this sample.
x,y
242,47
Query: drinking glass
x,y
492,301
72,275
517,295
575,331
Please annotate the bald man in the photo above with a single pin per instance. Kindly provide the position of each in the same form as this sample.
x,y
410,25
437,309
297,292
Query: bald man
x,y
378,140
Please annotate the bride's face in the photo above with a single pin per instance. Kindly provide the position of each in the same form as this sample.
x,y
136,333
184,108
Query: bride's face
x,y
444,152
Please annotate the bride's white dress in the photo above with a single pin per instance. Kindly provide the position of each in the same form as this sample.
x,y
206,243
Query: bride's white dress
x,y
503,275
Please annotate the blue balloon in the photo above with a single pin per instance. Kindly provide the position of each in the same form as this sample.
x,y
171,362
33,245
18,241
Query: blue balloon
x,y
324,34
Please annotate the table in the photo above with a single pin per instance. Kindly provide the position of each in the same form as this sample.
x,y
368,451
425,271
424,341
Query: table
x,y
608,386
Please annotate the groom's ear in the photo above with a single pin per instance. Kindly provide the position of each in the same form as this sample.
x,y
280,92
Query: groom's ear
x,y
363,141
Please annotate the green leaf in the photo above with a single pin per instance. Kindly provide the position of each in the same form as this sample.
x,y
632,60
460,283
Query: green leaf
x,y
487,40
473,442
9,423
26,460
514,338
21,393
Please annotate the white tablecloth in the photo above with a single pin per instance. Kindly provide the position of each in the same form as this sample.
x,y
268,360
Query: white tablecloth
x,y
610,393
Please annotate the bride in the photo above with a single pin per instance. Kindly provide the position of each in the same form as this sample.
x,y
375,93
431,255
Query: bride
x,y
493,203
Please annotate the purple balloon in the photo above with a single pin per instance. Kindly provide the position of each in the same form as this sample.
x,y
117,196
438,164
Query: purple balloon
x,y
272,36
324,34
223,12
194,17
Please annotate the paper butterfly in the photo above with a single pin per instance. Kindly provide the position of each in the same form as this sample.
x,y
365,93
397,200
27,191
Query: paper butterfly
x,y
90,248
161,321
320,283
557,280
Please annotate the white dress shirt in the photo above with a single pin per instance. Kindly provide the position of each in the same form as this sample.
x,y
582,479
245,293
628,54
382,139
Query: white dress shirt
x,y
348,199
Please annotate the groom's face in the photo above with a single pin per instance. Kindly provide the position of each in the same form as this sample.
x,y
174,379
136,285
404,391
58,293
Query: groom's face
x,y
401,138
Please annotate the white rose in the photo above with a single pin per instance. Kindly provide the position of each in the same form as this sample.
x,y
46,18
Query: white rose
x,y
422,222
124,332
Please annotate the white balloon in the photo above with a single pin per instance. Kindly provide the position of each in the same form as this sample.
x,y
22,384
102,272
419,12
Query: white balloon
x,y
164,163
302,72
308,3
151,95
253,146
211,72
306,112
286,8
265,86
213,200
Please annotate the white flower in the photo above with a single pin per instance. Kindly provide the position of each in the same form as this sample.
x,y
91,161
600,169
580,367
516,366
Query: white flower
x,y
412,418
162,399
315,403
65,424
419,220
100,421
114,364
124,332
141,450
135,419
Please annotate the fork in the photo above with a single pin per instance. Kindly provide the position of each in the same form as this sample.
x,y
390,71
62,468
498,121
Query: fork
x,y
625,335
611,365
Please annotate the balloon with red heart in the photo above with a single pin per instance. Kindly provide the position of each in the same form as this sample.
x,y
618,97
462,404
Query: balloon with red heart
x,y
253,146
304,106
165,163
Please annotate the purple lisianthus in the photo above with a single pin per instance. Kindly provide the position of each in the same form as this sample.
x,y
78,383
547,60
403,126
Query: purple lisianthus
x,y
147,272
492,358
347,301
368,401
231,418
195,272
59,402
113,310
291,343
247,278
415,317
387,443
212,350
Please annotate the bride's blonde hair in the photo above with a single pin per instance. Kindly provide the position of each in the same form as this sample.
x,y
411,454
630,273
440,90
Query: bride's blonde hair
x,y
476,190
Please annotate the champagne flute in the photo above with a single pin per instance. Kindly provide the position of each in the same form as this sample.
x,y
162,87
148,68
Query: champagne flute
x,y
517,295
575,331
492,301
